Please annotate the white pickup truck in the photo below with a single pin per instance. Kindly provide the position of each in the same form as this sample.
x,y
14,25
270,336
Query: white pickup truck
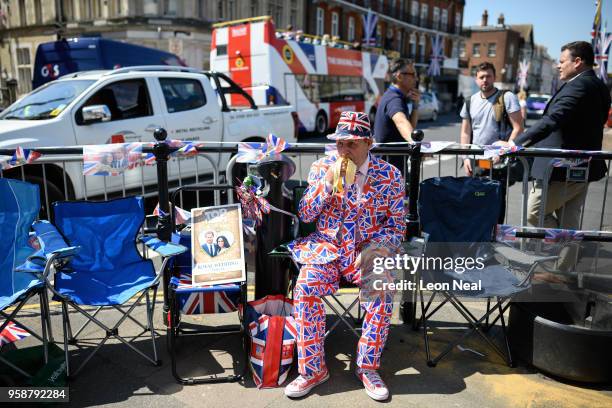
x,y
127,105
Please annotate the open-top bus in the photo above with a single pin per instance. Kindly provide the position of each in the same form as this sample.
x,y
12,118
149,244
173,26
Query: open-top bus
x,y
319,81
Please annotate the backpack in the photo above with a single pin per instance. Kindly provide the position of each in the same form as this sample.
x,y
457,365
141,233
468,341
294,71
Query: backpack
x,y
501,115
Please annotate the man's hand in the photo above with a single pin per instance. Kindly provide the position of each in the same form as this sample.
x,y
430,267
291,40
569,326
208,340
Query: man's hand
x,y
414,95
467,166
377,252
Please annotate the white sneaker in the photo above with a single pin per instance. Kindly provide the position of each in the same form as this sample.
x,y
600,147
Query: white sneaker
x,y
374,386
303,384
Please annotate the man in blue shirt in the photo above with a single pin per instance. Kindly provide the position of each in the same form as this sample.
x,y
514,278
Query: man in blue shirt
x,y
397,113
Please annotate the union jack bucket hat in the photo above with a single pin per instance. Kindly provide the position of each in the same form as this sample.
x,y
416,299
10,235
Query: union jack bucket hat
x,y
352,125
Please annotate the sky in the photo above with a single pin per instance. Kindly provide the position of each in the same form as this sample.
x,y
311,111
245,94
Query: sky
x,y
555,22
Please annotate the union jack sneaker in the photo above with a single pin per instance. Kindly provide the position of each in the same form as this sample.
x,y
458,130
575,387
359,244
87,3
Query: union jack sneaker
x,y
374,385
304,383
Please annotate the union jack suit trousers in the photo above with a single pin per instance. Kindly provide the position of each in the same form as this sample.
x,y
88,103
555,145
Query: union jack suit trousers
x,y
346,223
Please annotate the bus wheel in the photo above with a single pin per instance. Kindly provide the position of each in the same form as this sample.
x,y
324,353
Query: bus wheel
x,y
321,125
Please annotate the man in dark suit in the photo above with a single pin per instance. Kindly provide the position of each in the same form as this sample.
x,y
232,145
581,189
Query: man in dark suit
x,y
573,119
209,246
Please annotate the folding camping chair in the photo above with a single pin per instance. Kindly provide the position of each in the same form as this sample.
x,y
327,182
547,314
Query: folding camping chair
x,y
22,268
344,313
186,299
108,270
459,217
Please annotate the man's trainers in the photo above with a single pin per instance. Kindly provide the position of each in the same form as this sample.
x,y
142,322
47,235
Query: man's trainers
x,y
303,384
374,385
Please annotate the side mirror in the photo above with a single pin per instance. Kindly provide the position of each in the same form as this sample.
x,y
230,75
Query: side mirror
x,y
96,113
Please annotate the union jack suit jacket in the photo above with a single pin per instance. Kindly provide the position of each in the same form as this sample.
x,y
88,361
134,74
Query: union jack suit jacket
x,y
346,222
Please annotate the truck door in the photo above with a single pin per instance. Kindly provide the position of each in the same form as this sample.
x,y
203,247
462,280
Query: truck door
x,y
132,120
190,115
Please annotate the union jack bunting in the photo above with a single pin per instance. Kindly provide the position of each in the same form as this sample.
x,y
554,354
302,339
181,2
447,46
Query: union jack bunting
x,y
253,204
491,151
522,75
505,232
252,152
180,216
20,157
192,300
12,333
602,49
352,125
273,333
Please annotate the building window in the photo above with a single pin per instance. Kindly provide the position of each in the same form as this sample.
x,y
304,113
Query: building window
x,y
24,71
85,10
413,45
476,50
118,9
293,13
320,21
379,35
457,23
67,11
232,9
492,50
393,7
97,8
436,18
398,40
380,5
509,73
23,21
334,24
170,7
149,8
511,51
422,43
37,12
461,49
220,10
444,20
254,7
414,11
455,48
275,9
424,12
401,10
351,29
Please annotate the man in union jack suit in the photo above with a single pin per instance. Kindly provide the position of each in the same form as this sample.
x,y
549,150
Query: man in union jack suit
x,y
368,213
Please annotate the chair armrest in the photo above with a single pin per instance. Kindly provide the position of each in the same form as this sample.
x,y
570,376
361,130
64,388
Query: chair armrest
x,y
51,241
281,251
514,255
165,249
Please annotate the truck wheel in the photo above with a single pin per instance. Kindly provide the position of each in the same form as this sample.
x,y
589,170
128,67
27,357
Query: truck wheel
x,y
54,194
372,117
321,124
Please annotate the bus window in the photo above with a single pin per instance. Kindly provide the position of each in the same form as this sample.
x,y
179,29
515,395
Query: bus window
x,y
351,89
329,88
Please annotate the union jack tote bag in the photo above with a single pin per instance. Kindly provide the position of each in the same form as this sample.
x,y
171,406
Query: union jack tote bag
x,y
272,332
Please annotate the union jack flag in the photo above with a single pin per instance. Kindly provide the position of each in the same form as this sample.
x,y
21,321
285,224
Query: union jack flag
x,y
219,301
180,216
12,333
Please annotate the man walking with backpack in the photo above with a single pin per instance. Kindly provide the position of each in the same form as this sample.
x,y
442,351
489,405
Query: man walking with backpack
x,y
489,116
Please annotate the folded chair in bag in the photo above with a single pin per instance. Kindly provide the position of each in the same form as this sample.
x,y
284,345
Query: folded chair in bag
x,y
344,313
186,299
459,216
108,271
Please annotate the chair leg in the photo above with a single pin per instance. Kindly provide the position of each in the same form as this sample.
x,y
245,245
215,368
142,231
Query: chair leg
x,y
505,332
65,329
424,324
486,326
48,308
150,326
44,317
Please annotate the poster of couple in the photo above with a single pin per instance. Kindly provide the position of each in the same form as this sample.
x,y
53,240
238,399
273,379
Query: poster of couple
x,y
217,245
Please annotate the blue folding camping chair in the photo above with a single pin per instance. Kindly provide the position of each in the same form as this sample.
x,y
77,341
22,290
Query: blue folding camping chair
x,y
108,271
459,216
22,268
